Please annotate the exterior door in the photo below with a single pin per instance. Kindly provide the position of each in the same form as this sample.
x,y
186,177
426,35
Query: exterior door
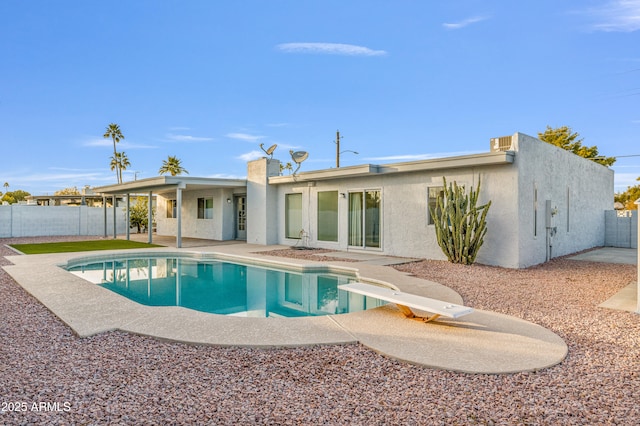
x,y
241,217
364,219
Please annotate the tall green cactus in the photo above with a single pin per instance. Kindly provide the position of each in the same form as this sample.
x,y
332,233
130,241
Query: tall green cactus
x,y
460,224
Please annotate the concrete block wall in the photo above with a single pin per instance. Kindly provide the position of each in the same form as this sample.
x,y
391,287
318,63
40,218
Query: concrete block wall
x,y
32,221
621,230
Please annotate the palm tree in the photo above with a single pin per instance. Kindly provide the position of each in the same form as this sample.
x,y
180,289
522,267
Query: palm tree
x,y
119,163
6,186
113,132
172,166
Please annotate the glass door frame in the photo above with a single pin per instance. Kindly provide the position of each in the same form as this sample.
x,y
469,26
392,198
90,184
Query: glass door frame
x,y
240,234
362,232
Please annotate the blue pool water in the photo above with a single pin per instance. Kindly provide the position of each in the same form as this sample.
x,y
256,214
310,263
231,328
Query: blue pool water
x,y
223,287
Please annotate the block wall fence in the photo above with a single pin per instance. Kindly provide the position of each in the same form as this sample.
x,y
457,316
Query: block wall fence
x,y
20,220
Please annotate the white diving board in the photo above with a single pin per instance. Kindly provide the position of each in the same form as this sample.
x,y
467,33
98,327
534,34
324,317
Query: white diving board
x,y
406,301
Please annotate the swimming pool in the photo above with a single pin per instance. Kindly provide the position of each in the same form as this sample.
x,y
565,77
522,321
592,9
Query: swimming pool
x,y
224,287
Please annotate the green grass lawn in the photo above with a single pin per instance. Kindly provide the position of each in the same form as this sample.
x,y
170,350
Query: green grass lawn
x,y
89,245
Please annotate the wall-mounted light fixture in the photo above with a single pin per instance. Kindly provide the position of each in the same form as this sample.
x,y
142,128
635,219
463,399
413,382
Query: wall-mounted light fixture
x,y
228,200
343,195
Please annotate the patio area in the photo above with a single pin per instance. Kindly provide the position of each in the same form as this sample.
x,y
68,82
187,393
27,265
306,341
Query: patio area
x,y
122,377
482,342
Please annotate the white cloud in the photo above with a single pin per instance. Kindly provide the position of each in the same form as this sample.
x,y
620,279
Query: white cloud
x,y
244,137
617,15
330,49
250,156
187,138
624,180
98,142
48,177
464,22
122,145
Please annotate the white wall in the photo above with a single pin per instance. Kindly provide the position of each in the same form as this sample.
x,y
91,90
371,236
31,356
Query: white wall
x,y
20,220
621,228
262,202
405,229
561,177
220,227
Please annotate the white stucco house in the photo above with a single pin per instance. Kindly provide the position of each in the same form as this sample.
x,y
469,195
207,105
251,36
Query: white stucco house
x,y
546,202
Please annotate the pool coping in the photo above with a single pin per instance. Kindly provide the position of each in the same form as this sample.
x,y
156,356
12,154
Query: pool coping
x,y
482,342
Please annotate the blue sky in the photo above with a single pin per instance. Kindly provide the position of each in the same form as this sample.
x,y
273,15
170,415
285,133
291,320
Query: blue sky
x,y
208,81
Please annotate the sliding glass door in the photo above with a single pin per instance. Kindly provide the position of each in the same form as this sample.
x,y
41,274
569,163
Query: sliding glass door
x,y
364,218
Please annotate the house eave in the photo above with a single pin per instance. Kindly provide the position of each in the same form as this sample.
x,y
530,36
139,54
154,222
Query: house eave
x,y
169,183
463,161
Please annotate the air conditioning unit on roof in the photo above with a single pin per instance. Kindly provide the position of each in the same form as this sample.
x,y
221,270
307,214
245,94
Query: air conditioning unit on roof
x,y
503,143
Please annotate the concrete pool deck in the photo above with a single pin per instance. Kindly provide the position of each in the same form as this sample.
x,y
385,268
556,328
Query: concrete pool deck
x,y
482,342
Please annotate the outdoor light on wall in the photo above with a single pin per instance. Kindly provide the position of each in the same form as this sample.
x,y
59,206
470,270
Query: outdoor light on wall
x,y
343,195
228,200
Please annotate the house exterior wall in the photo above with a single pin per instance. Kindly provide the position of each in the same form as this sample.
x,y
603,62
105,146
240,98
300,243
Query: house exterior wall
x,y
405,228
579,189
262,202
220,227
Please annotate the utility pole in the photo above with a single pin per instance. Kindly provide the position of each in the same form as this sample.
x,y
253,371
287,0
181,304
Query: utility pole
x,y
337,149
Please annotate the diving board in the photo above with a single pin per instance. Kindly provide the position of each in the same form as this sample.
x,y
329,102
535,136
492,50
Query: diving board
x,y
406,301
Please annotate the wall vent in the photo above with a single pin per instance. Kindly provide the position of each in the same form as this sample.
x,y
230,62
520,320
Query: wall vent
x,y
503,143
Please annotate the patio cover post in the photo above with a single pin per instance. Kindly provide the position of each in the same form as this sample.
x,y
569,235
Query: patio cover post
x,y
104,210
113,204
150,219
179,215
126,217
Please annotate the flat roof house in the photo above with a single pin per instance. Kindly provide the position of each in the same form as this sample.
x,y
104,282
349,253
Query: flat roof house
x,y
546,202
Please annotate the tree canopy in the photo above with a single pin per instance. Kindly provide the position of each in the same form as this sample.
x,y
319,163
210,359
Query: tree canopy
x,y
172,166
139,212
113,131
72,190
629,197
564,138
13,197
119,163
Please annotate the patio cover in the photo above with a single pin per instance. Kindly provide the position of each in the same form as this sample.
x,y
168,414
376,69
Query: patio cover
x,y
163,185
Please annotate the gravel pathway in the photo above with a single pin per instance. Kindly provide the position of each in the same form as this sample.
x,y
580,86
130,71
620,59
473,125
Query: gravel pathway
x,y
53,377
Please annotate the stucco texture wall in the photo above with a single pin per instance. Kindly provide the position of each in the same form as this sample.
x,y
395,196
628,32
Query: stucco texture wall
x,y
220,227
405,228
581,190
29,221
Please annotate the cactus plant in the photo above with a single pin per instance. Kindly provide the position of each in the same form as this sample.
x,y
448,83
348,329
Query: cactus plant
x,y
460,224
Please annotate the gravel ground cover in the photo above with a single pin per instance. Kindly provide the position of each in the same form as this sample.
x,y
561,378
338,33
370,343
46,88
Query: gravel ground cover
x,y
50,376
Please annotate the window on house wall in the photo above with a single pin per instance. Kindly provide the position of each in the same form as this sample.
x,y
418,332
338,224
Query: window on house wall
x,y
365,218
328,216
293,215
435,192
205,208
172,209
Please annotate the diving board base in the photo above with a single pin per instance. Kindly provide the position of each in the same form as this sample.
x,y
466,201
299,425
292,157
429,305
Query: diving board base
x,y
408,313
406,302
